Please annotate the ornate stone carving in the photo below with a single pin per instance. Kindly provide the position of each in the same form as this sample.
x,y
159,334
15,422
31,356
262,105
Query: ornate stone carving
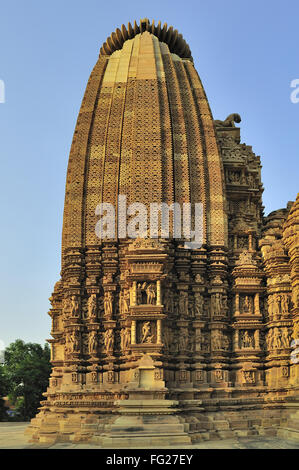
x,y
75,306
247,339
125,338
183,303
109,342
229,121
92,306
93,342
247,306
198,304
108,305
147,336
248,376
216,304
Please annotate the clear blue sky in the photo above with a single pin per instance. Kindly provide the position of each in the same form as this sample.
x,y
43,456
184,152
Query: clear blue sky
x,y
246,53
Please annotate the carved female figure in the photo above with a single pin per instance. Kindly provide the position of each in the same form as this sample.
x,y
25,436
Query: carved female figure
x,y
75,308
92,306
126,301
183,303
276,305
151,294
284,303
125,338
217,303
109,341
75,341
198,304
247,340
93,342
108,305
146,331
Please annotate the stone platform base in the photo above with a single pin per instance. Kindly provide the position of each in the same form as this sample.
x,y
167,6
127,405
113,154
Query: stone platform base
x,y
144,431
112,430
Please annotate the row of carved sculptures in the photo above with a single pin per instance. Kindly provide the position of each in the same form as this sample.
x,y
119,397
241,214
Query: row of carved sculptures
x,y
277,304
76,344
95,341
180,304
278,338
174,340
239,177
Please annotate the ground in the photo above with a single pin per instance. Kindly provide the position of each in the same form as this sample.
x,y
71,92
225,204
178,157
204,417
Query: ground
x,y
12,437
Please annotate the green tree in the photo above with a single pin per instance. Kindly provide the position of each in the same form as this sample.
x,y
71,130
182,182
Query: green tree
x,y
27,369
3,392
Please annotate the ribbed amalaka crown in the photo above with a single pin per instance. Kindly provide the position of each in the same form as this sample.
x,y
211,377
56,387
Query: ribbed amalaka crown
x,y
144,130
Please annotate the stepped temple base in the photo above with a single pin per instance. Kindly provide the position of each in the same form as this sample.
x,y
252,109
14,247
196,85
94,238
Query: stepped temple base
x,y
145,418
281,420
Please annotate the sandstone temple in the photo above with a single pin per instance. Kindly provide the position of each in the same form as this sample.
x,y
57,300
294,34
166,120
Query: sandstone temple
x,y
153,343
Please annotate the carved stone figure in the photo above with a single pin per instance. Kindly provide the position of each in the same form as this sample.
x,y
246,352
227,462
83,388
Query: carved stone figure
x,y
219,375
248,376
269,340
125,335
92,306
205,342
183,303
139,290
146,332
108,305
199,279
151,294
168,301
242,242
270,303
93,342
277,344
74,341
285,303
248,305
174,344
66,307
166,337
75,307
176,307
216,303
285,338
247,340
109,341
183,340
225,343
276,304
126,301
224,303
229,121
216,340
198,304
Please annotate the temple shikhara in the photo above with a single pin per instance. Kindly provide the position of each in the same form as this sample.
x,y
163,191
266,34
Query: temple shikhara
x,y
154,343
